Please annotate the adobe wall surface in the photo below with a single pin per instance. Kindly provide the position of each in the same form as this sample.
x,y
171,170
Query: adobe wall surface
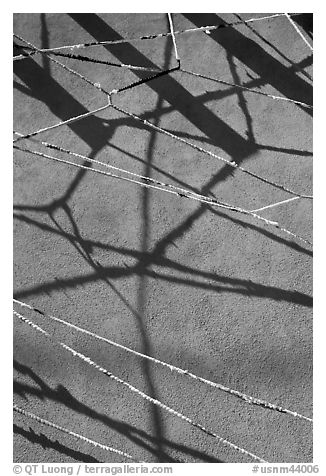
x,y
213,291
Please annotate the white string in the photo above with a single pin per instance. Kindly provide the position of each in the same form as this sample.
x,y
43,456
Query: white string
x,y
71,433
173,37
72,71
63,123
162,35
209,153
143,395
96,85
275,204
195,196
143,177
159,73
24,56
234,164
246,89
83,58
172,135
206,200
46,156
298,31
247,398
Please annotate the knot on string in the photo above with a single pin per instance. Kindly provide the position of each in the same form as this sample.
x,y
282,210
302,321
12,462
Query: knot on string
x,y
114,91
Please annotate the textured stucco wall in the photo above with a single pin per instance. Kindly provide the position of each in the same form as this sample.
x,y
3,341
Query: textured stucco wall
x,y
211,291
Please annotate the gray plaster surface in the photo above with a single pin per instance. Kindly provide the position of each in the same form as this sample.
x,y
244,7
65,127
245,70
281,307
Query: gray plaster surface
x,y
209,290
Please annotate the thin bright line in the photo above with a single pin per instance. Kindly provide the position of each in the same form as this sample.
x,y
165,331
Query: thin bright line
x,y
63,123
192,195
275,204
162,35
87,59
247,398
135,390
69,432
245,88
298,31
128,172
173,37
209,153
206,200
70,70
